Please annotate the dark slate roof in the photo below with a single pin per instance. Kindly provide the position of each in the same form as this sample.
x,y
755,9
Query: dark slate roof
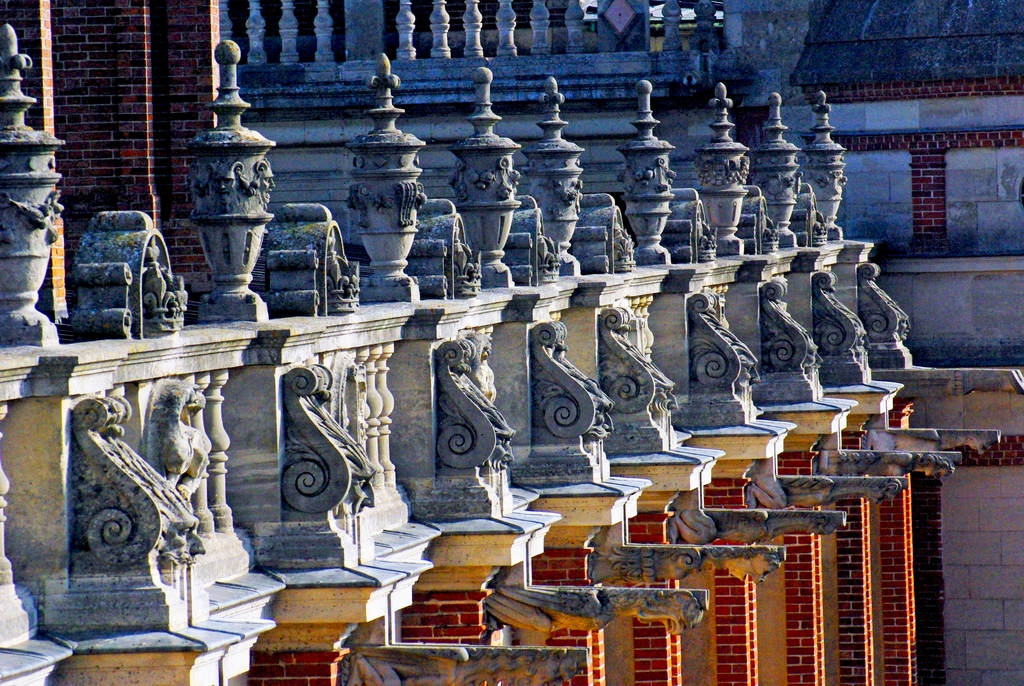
x,y
877,41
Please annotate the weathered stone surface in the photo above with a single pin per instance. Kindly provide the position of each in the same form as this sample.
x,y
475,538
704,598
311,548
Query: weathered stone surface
x,y
824,167
839,335
885,323
440,259
722,168
789,358
600,242
775,170
886,463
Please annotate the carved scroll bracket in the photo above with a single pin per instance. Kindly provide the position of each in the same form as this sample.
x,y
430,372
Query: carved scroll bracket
x,y
838,334
886,324
789,358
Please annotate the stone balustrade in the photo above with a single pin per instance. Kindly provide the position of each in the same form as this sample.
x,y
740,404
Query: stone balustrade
x,y
179,498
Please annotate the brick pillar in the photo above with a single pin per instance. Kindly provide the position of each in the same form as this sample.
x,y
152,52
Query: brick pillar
x,y
568,567
899,631
657,654
928,195
446,617
856,615
32,22
294,669
805,617
929,587
735,607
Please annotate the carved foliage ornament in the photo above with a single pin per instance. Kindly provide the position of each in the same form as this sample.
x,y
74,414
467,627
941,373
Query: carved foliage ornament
x,y
232,186
324,466
122,508
471,432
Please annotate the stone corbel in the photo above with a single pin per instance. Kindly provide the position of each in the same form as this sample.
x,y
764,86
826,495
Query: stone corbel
x,y
426,665
307,270
570,415
642,394
125,285
532,256
133,533
886,463
635,564
777,492
699,526
930,440
721,370
547,609
838,334
886,324
440,259
600,242
789,358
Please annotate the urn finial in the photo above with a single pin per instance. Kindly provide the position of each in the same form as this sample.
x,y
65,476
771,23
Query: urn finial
x,y
228,106
13,103
382,83
722,168
825,165
483,118
774,170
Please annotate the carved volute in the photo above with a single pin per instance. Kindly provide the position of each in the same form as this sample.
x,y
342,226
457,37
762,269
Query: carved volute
x,y
838,334
789,358
325,468
688,235
570,415
721,370
125,285
642,394
886,324
28,205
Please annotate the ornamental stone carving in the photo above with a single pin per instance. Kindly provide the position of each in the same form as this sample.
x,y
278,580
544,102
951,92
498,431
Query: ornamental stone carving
x,y
838,334
548,609
688,235
702,526
619,564
307,271
807,222
789,358
642,395
721,370
28,206
570,416
886,463
324,468
722,168
775,170
885,323
815,491
125,285
824,166
177,450
601,243
229,183
554,172
530,255
485,183
386,194
755,229
647,182
440,259
413,665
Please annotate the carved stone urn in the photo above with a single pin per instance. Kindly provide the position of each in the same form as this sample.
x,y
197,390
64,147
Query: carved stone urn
x,y
485,184
722,167
28,206
825,166
554,172
776,171
386,195
647,182
230,182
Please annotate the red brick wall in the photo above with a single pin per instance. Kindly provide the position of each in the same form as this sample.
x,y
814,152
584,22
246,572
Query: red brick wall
x,y
921,90
294,669
899,629
657,654
856,616
446,617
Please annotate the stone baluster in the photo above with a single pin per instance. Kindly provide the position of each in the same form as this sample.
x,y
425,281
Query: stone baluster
x,y
647,182
506,20
229,182
825,166
671,13
705,35
323,27
226,29
374,404
6,574
213,421
386,195
775,171
256,28
200,498
28,206
405,21
289,29
485,184
540,22
574,26
472,24
722,168
388,402
439,24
